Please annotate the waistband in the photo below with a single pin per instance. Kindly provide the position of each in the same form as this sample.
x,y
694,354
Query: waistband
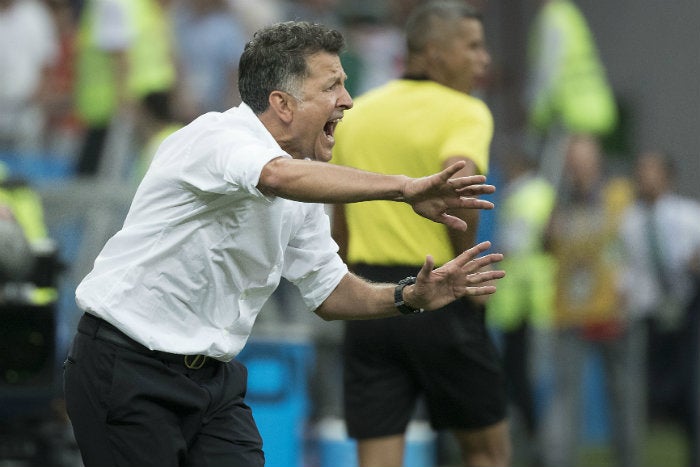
x,y
98,328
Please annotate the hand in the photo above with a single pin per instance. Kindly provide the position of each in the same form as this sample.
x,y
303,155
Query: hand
x,y
464,276
483,299
433,195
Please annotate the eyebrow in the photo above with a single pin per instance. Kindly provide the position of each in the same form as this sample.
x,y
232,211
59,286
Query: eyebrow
x,y
335,79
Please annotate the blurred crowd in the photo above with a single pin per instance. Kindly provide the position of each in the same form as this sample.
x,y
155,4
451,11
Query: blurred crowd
x,y
602,256
76,72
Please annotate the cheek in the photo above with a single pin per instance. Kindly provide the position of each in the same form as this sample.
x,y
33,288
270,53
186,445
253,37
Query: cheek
x,y
322,150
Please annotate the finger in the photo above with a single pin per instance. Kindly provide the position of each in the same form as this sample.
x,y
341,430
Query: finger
x,y
475,190
468,203
475,251
463,259
485,276
483,290
451,170
463,182
426,269
453,222
482,261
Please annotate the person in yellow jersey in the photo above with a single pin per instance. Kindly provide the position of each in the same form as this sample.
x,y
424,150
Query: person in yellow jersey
x,y
124,52
416,125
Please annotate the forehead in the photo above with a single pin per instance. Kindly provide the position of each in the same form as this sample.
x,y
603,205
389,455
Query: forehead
x,y
470,29
324,66
459,31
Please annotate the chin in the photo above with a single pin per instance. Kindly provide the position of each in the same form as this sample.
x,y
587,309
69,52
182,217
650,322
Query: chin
x,y
323,154
323,157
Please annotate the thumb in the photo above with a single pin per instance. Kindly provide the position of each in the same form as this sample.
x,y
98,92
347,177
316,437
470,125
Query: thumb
x,y
426,269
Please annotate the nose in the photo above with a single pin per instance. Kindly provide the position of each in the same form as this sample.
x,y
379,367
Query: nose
x,y
486,58
344,100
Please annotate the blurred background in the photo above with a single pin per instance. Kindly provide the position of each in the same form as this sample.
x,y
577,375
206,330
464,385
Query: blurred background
x,y
88,88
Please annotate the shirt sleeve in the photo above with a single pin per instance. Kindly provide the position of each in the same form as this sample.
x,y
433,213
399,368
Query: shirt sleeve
x,y
311,258
220,161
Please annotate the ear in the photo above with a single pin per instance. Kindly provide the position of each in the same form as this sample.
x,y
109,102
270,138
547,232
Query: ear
x,y
281,103
432,53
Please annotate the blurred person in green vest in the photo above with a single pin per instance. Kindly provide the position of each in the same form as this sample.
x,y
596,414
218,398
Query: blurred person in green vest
x,y
124,51
28,255
567,89
523,305
15,255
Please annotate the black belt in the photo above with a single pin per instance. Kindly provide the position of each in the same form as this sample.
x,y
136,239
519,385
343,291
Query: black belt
x,y
100,329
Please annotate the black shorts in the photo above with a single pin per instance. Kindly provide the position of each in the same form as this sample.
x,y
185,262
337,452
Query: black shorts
x,y
445,356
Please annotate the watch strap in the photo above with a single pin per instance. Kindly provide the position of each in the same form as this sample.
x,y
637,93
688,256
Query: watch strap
x,y
402,306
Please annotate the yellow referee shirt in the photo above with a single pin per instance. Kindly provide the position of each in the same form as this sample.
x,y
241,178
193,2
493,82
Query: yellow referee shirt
x,y
407,127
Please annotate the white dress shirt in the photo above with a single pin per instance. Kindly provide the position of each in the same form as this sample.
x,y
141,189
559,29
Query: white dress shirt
x,y
677,223
202,249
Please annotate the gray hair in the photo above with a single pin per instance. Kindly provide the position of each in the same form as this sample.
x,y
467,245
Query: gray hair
x,y
275,59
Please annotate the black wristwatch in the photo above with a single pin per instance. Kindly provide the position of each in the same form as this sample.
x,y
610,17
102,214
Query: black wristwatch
x,y
398,297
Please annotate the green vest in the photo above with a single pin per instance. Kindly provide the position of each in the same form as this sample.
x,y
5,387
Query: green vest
x,y
526,293
27,208
149,60
579,97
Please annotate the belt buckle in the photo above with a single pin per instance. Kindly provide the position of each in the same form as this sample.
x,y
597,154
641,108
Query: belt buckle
x,y
195,362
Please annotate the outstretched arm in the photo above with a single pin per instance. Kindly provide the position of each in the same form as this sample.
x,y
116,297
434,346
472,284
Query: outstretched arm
x,y
355,298
320,182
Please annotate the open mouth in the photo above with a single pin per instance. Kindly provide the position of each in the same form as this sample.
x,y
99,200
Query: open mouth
x,y
329,128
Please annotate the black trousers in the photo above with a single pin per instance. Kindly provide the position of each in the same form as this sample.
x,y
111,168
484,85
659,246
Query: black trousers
x,y
133,407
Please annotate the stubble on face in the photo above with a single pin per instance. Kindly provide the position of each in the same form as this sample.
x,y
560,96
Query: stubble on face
x,y
324,99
